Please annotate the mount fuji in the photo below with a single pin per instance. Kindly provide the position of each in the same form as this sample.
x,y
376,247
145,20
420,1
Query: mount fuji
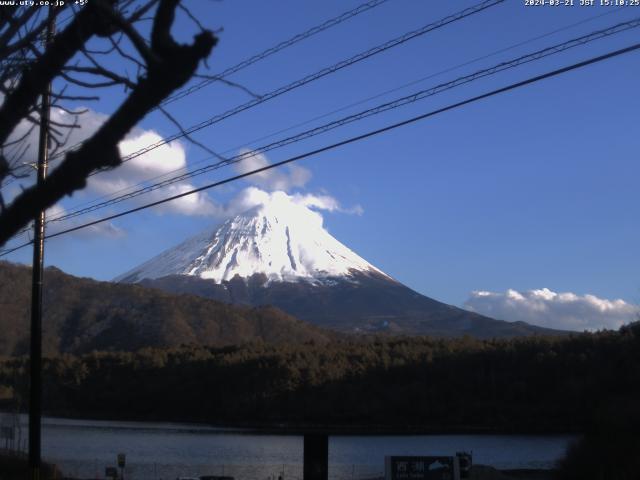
x,y
282,240
278,253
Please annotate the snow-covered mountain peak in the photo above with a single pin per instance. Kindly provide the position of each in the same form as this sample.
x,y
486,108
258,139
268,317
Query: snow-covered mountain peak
x,y
283,239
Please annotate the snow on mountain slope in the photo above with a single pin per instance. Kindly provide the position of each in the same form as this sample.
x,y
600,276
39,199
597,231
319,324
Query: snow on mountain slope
x,y
282,239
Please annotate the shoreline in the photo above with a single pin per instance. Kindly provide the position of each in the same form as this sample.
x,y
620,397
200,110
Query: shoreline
x,y
276,428
15,462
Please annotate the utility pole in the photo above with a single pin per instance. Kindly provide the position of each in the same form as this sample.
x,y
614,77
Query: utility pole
x,y
35,370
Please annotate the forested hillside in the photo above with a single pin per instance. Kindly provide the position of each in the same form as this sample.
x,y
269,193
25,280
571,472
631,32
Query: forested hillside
x,y
362,303
534,384
81,315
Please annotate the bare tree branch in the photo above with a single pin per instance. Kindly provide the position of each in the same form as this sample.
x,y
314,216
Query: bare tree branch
x,y
173,120
138,14
170,65
136,39
99,70
229,83
15,25
66,44
193,18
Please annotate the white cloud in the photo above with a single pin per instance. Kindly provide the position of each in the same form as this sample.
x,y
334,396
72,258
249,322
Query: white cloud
x,y
281,178
160,163
88,124
251,197
105,229
273,186
546,308
156,164
164,162
326,202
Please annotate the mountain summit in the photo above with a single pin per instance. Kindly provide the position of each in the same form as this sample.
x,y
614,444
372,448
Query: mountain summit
x,y
278,253
282,240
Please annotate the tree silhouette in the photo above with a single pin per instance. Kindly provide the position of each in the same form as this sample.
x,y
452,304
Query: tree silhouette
x,y
162,65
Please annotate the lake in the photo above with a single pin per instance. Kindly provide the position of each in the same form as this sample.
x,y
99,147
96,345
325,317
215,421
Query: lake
x,y
83,448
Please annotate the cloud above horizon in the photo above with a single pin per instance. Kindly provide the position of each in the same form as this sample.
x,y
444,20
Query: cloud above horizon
x,y
252,196
276,185
546,308
105,229
280,178
157,164
162,163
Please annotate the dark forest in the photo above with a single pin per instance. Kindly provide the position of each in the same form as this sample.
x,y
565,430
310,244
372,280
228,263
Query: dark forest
x,y
536,384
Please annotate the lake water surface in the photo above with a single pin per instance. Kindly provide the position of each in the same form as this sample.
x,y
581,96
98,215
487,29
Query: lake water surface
x,y
82,448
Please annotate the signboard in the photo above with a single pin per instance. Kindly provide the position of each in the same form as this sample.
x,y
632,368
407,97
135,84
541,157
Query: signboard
x,y
422,468
121,460
111,472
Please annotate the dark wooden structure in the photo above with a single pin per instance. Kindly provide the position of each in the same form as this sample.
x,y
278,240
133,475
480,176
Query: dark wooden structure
x,y
316,456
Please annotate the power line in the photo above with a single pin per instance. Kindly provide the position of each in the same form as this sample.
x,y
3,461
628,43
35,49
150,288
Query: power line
x,y
350,140
313,77
11,250
354,104
260,56
275,49
309,78
414,97
24,60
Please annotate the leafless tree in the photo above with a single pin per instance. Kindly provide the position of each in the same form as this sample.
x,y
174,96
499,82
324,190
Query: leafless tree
x,y
103,44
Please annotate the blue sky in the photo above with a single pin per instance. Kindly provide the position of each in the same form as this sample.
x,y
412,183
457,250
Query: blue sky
x,y
536,188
